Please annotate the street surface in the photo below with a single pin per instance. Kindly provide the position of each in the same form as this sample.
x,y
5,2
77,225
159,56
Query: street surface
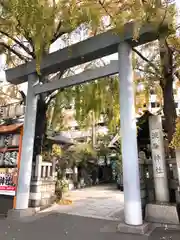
x,y
57,226
94,215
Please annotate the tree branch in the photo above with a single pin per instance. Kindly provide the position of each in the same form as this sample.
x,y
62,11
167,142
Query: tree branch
x,y
164,17
150,72
175,49
19,55
19,28
177,74
3,3
26,49
23,97
55,36
52,94
60,33
146,60
102,5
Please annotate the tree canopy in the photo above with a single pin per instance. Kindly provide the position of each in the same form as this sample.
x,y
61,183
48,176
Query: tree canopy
x,y
28,28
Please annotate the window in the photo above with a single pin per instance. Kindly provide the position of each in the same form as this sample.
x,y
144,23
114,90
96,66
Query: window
x,y
152,91
153,104
158,105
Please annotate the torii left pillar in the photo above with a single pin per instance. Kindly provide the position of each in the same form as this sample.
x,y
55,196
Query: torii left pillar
x,y
24,179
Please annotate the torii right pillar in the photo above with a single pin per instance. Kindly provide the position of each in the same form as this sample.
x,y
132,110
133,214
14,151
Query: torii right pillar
x,y
131,175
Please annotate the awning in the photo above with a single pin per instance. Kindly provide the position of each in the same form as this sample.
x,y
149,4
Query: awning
x,y
10,128
60,139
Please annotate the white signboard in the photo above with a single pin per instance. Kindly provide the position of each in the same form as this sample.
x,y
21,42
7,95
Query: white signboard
x,y
157,154
8,181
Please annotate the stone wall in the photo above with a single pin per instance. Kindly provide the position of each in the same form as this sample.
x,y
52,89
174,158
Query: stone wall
x,y
152,209
149,180
42,191
42,194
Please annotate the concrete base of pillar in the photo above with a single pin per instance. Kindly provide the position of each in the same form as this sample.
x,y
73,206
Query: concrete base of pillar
x,y
140,230
14,214
162,213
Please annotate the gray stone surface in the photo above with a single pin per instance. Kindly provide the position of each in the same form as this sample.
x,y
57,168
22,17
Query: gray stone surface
x,y
67,227
80,78
160,213
142,229
103,207
103,202
14,214
164,234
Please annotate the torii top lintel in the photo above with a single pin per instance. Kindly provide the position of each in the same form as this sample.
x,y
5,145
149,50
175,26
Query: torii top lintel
x,y
93,48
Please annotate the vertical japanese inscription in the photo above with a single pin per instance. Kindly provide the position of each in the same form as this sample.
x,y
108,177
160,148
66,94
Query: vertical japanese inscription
x,y
157,153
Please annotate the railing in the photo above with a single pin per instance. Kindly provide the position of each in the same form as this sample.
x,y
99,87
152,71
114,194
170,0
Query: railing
x,y
43,170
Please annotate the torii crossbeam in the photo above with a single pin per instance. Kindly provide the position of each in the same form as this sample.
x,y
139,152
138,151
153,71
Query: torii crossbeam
x,y
88,50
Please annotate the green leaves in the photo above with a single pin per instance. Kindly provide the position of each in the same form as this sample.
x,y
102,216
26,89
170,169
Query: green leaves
x,y
41,22
175,143
55,112
28,28
100,97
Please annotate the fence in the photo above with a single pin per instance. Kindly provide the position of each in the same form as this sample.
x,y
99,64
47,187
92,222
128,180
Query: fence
x,y
147,181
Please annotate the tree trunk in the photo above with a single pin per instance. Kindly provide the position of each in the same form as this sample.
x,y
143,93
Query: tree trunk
x,y
40,127
167,88
169,110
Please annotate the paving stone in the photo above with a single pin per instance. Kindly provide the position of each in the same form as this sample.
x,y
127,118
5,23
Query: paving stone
x,y
100,201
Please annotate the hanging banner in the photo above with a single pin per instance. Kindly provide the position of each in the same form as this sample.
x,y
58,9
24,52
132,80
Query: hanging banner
x,y
8,181
12,111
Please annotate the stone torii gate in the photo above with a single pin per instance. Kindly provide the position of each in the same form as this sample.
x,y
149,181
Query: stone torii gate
x,y
96,47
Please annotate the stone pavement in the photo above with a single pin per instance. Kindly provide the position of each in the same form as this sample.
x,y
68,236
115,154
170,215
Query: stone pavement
x,y
57,226
102,202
